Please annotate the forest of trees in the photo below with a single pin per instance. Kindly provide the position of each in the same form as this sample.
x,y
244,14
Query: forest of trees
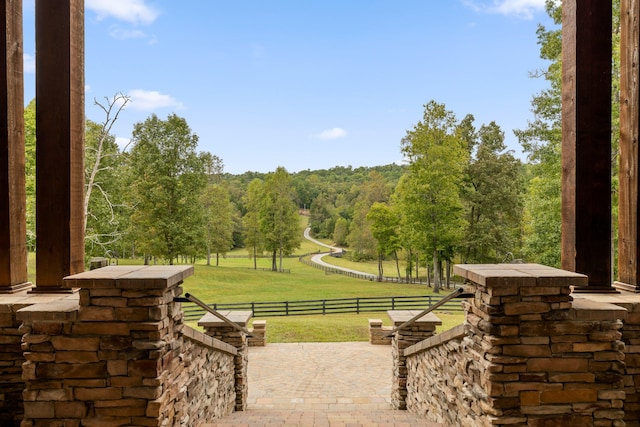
x,y
462,196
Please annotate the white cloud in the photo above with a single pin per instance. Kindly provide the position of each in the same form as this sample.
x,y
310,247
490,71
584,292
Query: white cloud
x,y
333,133
29,63
133,11
525,9
152,100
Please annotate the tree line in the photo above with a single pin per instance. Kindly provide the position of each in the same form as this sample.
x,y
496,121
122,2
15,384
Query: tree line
x,y
461,196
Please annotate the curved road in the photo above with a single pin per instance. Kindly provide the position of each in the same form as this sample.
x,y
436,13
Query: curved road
x,y
318,258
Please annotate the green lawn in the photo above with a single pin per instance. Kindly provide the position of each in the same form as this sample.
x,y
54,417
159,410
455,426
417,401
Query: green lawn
x,y
235,280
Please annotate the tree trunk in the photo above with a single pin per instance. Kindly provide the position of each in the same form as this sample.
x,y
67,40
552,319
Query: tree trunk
x,y
274,263
436,273
380,268
255,259
217,259
448,264
395,255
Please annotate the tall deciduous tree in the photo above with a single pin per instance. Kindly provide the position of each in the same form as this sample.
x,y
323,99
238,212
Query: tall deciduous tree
x,y
168,177
437,157
360,239
30,171
253,237
384,227
103,204
279,217
542,141
493,199
218,221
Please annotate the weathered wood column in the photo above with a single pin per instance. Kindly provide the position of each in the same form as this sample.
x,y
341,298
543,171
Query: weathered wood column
x,y
60,141
13,234
628,227
586,141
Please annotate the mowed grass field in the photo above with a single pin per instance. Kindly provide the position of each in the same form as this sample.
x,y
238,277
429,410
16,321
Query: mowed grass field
x,y
235,280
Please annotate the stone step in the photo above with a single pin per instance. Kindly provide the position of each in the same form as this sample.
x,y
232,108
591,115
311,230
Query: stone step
x,y
307,418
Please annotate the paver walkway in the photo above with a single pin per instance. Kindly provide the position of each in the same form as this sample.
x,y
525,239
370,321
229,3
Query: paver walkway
x,y
320,384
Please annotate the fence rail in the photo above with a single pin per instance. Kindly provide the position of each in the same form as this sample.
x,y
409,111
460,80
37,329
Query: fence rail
x,y
355,275
327,306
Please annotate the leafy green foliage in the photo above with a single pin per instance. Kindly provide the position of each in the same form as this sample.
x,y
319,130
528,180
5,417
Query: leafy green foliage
x,y
493,197
430,196
167,177
279,216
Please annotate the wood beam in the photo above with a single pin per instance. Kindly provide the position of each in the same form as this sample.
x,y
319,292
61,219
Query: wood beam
x,y
13,228
586,140
628,227
60,141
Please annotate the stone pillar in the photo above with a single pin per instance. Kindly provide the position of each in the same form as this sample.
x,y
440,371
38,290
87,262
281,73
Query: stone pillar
x,y
224,332
259,331
109,355
377,333
545,360
420,330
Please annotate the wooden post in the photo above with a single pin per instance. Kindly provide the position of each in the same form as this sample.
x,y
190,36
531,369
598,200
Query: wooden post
x,y
60,141
628,227
13,204
586,141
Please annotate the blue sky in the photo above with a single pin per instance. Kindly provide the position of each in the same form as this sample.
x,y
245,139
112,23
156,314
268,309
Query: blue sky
x,y
308,84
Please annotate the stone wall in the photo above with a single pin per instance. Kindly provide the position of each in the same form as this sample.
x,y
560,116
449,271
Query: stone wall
x,y
11,357
119,354
530,356
403,338
223,331
443,382
631,338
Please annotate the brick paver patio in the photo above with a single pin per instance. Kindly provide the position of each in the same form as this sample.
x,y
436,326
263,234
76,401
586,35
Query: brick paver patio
x,y
320,384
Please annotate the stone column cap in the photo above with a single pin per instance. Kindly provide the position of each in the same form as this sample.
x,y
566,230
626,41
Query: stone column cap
x,y
509,275
131,277
398,317
241,317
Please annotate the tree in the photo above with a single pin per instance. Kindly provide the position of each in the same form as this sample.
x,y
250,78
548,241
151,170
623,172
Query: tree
x,y
341,231
437,156
384,227
167,179
493,199
30,171
219,221
279,217
103,204
360,239
254,238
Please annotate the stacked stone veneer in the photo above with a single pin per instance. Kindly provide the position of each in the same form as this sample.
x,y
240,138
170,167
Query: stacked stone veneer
x,y
443,382
379,334
419,330
259,334
631,338
118,354
529,356
223,331
11,358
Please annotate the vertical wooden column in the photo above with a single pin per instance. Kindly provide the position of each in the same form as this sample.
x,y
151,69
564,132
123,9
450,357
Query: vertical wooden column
x,y
13,234
60,141
586,141
628,227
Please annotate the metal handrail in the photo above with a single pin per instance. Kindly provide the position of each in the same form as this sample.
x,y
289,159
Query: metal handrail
x,y
458,293
190,298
